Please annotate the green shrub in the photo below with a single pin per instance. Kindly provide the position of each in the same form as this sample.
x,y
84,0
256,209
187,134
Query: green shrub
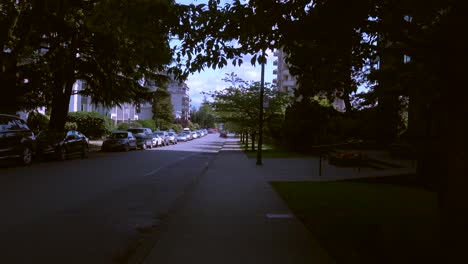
x,y
193,126
37,121
92,124
123,126
177,127
71,126
149,123
134,124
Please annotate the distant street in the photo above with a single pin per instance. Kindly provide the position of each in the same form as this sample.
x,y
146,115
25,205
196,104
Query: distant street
x,y
90,211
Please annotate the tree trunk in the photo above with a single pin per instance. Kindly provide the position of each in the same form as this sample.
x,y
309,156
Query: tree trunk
x,y
60,104
246,140
253,140
9,105
64,80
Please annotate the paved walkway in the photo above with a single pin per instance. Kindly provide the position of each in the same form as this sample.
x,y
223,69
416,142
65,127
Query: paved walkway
x,y
234,216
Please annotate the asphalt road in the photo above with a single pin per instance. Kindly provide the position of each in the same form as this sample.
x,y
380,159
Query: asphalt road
x,y
93,210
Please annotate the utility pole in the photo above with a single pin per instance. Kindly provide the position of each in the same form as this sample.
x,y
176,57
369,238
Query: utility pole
x,y
260,121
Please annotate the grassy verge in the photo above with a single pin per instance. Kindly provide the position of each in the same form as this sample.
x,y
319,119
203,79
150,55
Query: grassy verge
x,y
359,222
268,151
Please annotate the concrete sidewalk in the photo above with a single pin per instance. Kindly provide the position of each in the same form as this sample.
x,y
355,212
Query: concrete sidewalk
x,y
233,215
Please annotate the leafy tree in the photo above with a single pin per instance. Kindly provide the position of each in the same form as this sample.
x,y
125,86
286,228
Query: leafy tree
x,y
204,116
163,111
111,45
238,104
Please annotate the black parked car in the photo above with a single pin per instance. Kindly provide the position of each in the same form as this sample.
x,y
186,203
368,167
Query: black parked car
x,y
62,144
16,139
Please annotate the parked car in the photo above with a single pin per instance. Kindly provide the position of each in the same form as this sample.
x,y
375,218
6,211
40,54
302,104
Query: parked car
x,y
194,135
189,135
16,139
182,137
144,137
172,137
164,136
157,140
120,140
223,134
62,144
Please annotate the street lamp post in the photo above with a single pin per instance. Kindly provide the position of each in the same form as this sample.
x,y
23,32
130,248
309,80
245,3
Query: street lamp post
x,y
260,121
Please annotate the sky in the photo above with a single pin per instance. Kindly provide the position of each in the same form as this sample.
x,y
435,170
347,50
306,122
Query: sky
x,y
210,80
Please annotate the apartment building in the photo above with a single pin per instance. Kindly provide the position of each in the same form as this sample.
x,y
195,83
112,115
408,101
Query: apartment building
x,y
129,112
285,82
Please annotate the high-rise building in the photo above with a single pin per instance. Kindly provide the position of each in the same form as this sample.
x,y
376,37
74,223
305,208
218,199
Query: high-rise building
x,y
179,98
284,81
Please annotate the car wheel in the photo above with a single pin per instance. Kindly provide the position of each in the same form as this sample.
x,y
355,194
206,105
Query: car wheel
x,y
62,153
84,152
127,148
26,155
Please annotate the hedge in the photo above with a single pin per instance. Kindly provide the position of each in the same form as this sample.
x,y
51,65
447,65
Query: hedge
x,y
92,124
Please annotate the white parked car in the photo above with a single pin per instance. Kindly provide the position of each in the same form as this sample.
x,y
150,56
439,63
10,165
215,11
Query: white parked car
x,y
157,140
172,136
182,137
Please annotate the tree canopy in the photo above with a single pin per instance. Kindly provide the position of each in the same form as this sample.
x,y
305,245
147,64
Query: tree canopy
x,y
238,103
111,45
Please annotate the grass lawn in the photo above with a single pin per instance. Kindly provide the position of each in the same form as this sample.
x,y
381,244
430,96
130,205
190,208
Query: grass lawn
x,y
359,222
269,152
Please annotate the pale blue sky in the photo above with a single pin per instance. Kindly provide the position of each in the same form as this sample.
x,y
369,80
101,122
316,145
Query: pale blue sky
x,y
211,80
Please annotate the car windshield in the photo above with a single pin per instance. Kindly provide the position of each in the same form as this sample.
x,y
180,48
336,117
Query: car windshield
x,y
171,134
119,135
182,135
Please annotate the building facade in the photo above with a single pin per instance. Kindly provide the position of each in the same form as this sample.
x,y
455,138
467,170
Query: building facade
x,y
180,99
129,112
284,81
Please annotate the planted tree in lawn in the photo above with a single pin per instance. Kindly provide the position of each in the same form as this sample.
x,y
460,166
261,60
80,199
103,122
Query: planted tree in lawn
x,y
238,104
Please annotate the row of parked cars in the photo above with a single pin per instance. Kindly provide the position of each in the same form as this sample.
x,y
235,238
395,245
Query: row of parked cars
x,y
143,138
18,141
